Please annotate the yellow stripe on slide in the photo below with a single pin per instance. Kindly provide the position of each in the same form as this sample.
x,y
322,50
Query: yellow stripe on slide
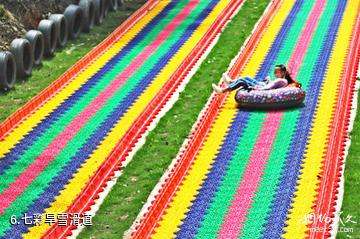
x,y
306,191
26,126
170,221
78,182
168,226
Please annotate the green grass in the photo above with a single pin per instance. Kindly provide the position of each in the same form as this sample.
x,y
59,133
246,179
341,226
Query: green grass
x,y
64,58
351,203
127,197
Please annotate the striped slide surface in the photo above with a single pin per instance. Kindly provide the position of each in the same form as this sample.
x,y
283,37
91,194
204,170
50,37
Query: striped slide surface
x,y
268,174
59,150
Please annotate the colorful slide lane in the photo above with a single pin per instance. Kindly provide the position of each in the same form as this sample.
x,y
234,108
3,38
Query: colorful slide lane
x,y
257,174
59,150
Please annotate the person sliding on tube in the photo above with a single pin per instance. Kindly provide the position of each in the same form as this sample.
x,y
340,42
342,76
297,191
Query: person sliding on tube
x,y
281,74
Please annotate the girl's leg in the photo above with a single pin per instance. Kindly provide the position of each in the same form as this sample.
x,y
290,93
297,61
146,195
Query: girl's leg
x,y
230,86
237,84
227,79
218,89
250,81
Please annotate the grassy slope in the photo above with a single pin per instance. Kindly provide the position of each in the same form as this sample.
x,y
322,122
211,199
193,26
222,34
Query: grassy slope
x,y
125,200
51,69
351,203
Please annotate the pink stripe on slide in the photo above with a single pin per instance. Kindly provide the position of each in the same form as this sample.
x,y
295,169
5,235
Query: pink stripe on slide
x,y
53,149
305,37
251,178
234,219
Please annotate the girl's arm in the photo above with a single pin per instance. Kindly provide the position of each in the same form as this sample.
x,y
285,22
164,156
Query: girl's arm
x,y
278,83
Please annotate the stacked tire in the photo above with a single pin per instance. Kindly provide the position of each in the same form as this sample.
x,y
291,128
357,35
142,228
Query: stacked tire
x,y
113,5
7,70
74,16
61,28
48,29
100,6
89,14
24,57
52,33
36,39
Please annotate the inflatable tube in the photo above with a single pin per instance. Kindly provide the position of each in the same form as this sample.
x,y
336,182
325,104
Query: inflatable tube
x,y
24,58
88,9
61,26
48,29
7,70
270,99
36,39
99,11
113,5
74,15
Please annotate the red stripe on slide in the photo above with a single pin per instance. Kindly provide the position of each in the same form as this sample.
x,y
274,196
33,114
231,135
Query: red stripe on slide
x,y
54,148
148,222
334,156
236,215
32,105
94,186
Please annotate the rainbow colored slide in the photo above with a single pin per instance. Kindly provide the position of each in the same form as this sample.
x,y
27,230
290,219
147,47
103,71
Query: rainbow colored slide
x,y
268,174
59,150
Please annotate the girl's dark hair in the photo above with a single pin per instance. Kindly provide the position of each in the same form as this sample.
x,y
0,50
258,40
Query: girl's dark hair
x,y
287,74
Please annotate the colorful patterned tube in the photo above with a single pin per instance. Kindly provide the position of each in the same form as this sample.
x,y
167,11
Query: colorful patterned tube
x,y
270,99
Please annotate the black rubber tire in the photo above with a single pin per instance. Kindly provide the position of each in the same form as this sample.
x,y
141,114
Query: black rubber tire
x,y
99,11
36,39
48,29
61,29
74,16
24,57
7,70
113,5
106,7
88,8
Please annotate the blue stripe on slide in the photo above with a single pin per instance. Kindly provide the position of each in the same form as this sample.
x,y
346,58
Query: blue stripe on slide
x,y
20,148
285,192
63,178
199,206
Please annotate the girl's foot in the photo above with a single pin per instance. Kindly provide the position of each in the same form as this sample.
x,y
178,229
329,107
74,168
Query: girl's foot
x,y
217,89
267,79
227,79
